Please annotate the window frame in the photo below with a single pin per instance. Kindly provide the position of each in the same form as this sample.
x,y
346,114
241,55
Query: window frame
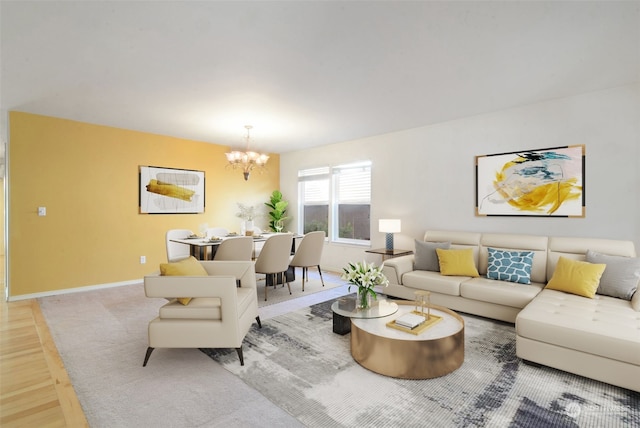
x,y
330,173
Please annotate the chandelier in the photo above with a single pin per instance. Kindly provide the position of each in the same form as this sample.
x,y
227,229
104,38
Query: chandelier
x,y
247,160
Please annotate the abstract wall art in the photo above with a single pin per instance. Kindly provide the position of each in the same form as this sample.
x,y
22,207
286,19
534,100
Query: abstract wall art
x,y
170,191
544,182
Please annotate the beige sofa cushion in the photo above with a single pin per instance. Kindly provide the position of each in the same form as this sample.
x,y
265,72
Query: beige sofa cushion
x,y
576,249
514,242
603,326
500,292
199,308
433,281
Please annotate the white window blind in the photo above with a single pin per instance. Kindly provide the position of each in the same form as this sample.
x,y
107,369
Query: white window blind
x,y
337,200
314,185
353,183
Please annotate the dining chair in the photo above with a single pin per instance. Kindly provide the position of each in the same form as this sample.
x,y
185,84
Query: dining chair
x,y
217,231
274,259
175,250
236,248
309,254
257,246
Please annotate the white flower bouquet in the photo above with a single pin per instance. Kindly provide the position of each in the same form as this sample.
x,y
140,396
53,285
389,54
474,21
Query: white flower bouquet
x,y
365,276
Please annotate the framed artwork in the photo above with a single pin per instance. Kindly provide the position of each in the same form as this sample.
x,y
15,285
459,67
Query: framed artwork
x,y
544,182
170,191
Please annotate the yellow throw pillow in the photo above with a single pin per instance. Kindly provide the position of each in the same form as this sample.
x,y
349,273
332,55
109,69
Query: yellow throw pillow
x,y
576,277
457,262
186,267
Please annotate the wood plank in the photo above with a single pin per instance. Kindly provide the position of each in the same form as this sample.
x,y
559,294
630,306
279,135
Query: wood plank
x,y
67,397
35,389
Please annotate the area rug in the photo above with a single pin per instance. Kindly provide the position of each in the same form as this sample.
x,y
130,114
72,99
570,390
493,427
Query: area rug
x,y
101,336
299,364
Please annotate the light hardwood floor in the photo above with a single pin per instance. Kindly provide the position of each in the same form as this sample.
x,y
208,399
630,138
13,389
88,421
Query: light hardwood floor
x,y
35,390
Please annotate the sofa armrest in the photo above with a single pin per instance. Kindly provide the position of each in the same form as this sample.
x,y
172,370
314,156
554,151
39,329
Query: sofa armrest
x,y
170,287
394,268
244,271
635,301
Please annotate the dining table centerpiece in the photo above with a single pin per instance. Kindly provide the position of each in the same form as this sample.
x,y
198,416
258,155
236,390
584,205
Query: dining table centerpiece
x,y
365,276
247,213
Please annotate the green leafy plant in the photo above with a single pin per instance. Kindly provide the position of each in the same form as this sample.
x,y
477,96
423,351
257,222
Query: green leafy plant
x,y
277,211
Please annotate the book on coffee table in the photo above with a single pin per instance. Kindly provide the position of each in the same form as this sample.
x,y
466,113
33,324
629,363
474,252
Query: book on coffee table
x,y
410,320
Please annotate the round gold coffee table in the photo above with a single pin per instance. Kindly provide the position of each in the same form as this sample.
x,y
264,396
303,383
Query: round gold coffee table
x,y
435,352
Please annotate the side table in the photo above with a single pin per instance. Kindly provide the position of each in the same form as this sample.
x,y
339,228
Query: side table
x,y
389,254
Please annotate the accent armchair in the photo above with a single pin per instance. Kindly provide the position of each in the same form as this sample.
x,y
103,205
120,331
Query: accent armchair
x,y
221,310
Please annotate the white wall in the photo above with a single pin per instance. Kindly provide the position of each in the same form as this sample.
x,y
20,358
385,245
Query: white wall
x,y
426,177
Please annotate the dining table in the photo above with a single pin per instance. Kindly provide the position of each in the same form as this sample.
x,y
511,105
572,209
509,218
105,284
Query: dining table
x,y
205,248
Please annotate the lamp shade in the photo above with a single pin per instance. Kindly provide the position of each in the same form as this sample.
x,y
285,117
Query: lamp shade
x,y
389,225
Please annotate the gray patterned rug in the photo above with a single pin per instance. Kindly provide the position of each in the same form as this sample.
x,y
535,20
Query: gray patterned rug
x,y
299,364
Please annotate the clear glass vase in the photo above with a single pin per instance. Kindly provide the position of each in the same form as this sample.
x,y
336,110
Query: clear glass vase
x,y
363,299
248,227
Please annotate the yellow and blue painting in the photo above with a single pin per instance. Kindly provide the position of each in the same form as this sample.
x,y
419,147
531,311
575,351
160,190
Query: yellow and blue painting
x,y
544,182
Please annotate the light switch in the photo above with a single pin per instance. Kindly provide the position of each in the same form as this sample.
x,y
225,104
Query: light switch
x,y
42,211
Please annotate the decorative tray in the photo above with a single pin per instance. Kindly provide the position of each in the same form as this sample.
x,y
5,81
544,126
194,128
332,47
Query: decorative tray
x,y
433,319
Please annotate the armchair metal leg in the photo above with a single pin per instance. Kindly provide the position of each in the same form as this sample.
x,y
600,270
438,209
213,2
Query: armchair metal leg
x,y
239,351
258,321
146,357
320,272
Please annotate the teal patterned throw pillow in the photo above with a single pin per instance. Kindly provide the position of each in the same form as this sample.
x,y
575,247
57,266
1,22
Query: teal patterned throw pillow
x,y
512,266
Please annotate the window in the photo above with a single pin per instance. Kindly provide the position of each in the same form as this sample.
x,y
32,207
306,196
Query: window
x,y
313,185
337,200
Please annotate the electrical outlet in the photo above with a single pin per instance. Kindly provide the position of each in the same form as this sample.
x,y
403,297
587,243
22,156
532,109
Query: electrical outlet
x,y
143,259
42,211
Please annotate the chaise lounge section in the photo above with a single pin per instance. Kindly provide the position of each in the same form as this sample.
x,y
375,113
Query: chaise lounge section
x,y
595,337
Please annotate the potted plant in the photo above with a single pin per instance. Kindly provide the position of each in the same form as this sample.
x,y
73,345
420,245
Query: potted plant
x,y
277,211
365,276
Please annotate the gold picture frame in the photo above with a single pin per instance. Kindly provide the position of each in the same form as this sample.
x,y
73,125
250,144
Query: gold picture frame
x,y
543,182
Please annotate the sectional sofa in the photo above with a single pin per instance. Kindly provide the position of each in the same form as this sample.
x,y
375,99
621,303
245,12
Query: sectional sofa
x,y
557,322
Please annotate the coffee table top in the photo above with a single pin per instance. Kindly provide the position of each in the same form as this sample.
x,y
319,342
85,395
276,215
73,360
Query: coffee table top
x,y
346,306
451,324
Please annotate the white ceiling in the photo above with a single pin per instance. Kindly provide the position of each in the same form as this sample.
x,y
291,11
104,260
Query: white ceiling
x,y
305,73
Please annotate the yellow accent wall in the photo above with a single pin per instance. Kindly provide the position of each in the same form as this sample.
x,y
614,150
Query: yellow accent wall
x,y
87,178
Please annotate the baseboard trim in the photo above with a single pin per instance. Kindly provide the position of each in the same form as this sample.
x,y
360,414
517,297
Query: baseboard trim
x,y
73,290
